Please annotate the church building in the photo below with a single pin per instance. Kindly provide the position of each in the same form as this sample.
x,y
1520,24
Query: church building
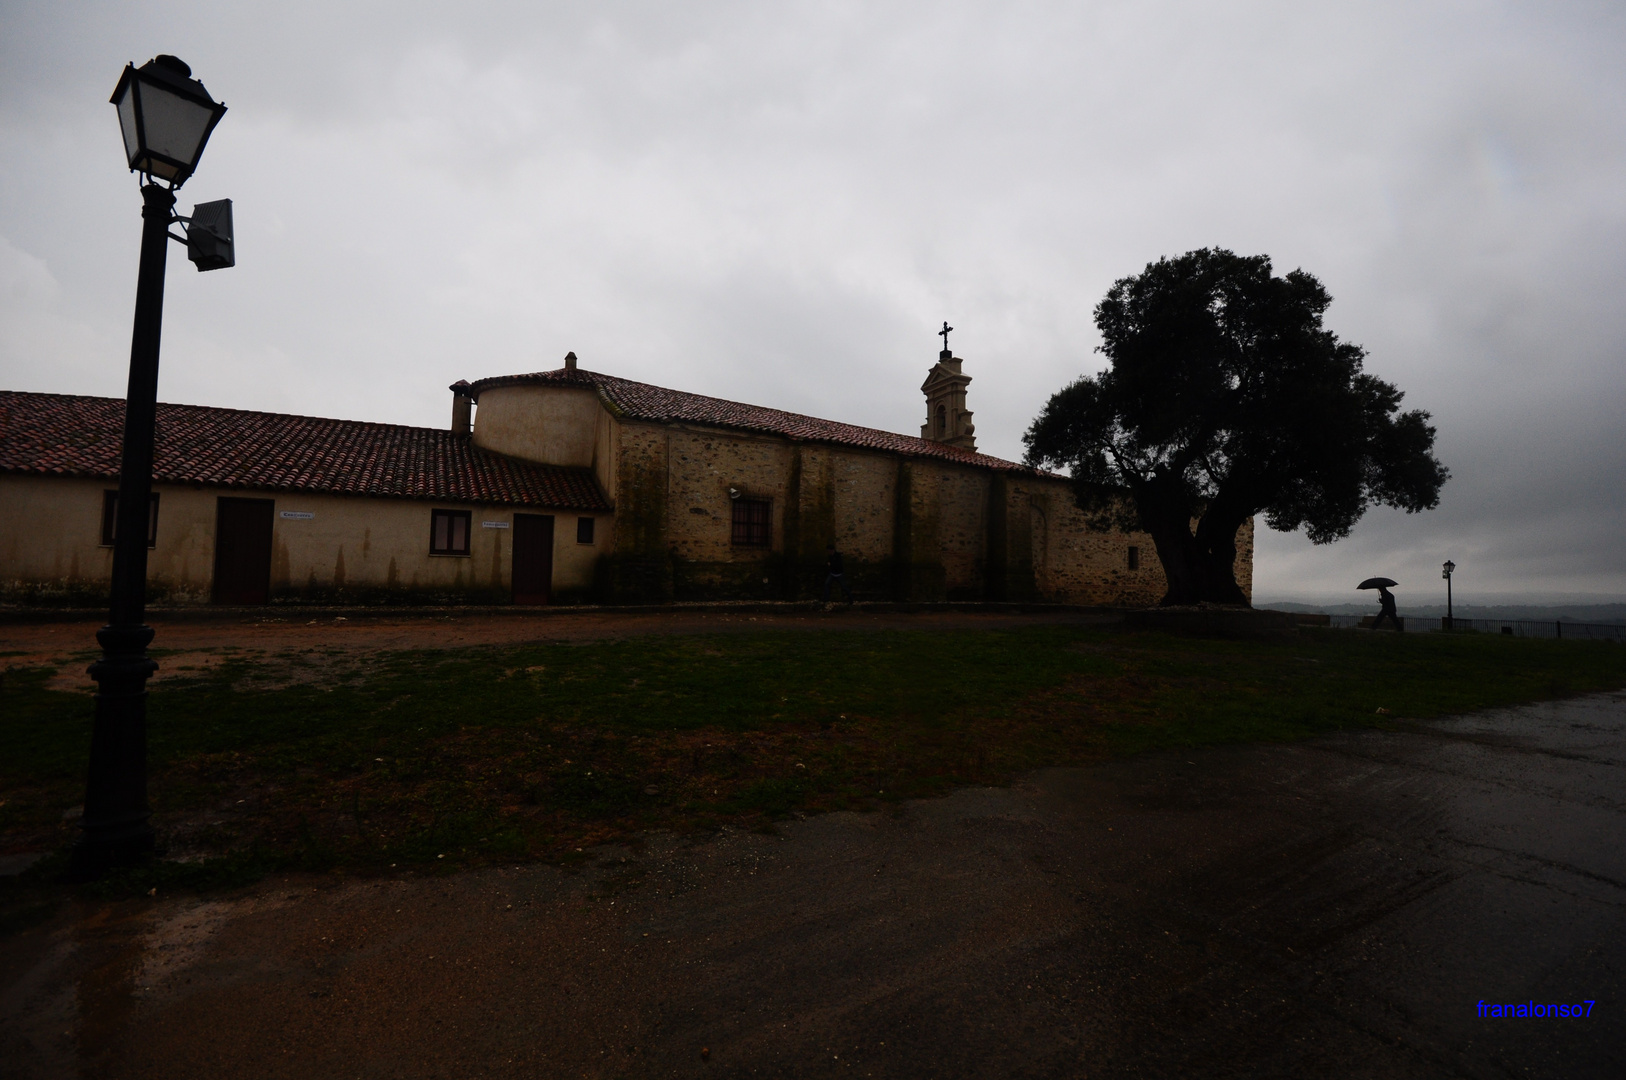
x,y
562,486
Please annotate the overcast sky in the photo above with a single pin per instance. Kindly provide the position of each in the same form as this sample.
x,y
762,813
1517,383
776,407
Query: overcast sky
x,y
781,202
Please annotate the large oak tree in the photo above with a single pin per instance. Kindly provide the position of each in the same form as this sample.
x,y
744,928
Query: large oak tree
x,y
1225,398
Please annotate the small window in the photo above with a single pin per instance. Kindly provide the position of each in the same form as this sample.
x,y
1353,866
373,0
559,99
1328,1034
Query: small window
x,y
584,530
753,522
110,518
449,532
1134,557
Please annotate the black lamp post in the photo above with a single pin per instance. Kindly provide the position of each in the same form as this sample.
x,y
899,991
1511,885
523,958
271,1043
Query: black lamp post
x,y
1445,572
166,116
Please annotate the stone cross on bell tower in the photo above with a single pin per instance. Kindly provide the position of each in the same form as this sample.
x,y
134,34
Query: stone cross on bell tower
x,y
947,418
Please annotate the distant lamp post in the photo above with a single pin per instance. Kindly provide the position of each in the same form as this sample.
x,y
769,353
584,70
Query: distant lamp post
x,y
166,117
1445,572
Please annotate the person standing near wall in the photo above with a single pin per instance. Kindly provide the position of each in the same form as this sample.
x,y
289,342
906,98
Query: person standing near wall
x,y
835,572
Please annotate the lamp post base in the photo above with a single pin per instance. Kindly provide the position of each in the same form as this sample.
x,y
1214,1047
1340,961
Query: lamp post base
x,y
118,846
117,831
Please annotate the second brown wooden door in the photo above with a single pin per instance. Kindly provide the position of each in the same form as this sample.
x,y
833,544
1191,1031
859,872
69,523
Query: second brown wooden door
x,y
533,558
243,551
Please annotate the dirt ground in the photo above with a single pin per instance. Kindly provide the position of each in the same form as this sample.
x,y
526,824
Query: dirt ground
x,y
1335,908
186,643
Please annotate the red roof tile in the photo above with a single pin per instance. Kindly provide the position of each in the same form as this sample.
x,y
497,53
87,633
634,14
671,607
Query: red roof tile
x,y
641,401
68,435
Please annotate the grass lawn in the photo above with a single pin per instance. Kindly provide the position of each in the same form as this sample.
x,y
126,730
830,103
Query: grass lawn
x,y
447,758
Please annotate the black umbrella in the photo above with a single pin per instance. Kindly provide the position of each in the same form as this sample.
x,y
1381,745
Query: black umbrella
x,y
1377,583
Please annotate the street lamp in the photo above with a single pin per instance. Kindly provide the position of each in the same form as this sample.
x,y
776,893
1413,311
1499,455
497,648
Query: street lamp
x,y
166,117
1445,572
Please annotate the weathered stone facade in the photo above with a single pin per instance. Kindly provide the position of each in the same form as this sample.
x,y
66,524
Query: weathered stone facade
x,y
912,519
907,529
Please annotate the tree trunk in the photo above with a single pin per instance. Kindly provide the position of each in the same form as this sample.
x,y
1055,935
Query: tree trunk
x,y
1177,551
1201,566
1216,547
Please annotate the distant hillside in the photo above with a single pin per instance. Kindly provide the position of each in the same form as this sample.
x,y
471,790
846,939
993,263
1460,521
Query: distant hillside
x,y
1579,613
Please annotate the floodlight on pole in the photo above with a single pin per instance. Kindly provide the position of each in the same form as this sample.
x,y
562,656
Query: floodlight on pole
x,y
209,242
166,117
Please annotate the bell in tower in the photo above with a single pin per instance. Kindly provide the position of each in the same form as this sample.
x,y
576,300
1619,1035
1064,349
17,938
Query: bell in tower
x,y
947,418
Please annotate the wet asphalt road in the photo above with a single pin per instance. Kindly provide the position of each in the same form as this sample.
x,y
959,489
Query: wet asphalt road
x,y
1333,908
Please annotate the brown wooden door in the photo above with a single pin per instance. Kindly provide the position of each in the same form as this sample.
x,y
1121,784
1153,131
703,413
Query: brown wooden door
x,y
533,558
243,551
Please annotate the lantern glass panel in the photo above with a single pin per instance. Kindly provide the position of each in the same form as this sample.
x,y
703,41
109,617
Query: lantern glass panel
x,y
127,123
174,126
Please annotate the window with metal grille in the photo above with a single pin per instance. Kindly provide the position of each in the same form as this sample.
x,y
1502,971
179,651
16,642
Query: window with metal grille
x,y
753,522
110,518
1134,557
449,532
584,530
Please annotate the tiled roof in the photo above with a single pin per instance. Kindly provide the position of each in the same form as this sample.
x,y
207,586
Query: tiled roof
x,y
641,401
67,435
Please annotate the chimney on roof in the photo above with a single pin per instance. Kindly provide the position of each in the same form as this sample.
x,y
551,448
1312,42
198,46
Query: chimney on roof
x,y
462,406
570,361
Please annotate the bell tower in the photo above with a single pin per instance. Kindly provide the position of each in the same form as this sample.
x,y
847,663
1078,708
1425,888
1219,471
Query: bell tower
x,y
947,418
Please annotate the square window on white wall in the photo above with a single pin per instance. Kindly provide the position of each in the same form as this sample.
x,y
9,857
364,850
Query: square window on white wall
x,y
449,532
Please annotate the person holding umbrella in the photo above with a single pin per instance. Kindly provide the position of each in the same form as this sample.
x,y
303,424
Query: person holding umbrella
x,y
1386,600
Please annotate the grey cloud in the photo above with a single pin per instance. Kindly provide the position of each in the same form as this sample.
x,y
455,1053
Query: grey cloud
x,y
780,203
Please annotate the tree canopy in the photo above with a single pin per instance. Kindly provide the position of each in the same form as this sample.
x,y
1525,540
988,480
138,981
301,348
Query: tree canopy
x,y
1225,397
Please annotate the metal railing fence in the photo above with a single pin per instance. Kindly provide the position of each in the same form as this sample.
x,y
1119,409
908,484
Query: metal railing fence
x,y
1527,628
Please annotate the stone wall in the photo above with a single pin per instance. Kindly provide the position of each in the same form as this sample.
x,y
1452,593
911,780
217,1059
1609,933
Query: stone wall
x,y
1244,558
908,528
1072,560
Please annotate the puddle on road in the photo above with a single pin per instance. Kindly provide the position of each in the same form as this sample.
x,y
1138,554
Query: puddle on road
x,y
105,994
178,939
74,1012
326,667
73,675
